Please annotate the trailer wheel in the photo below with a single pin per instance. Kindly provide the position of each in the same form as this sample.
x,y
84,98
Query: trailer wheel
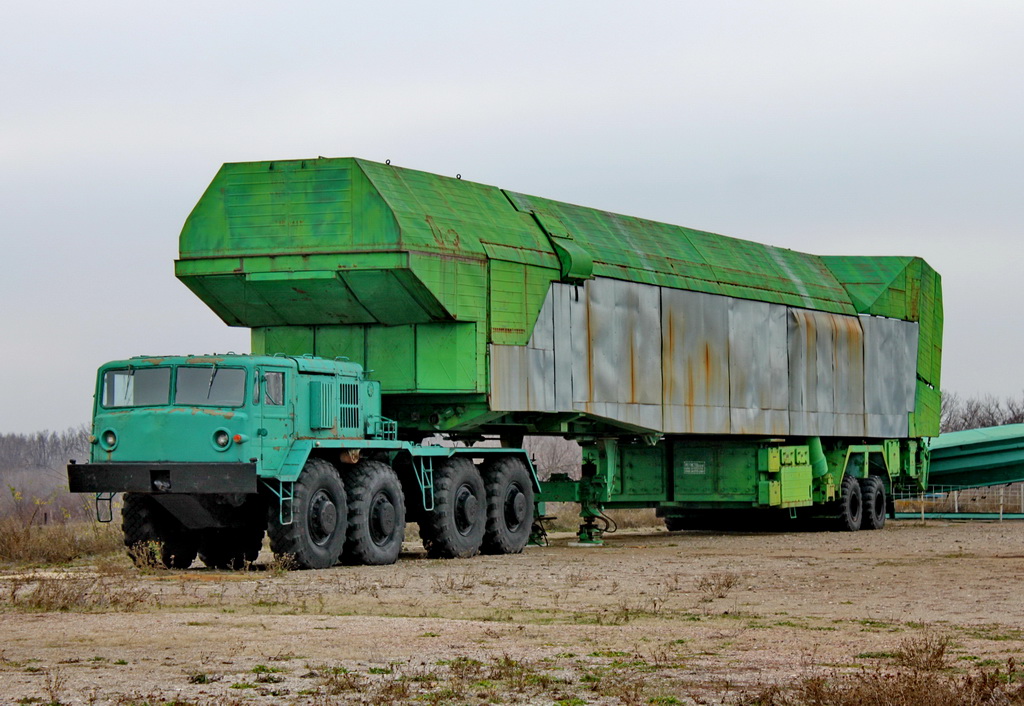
x,y
850,505
455,529
509,491
230,548
376,514
142,521
872,492
316,535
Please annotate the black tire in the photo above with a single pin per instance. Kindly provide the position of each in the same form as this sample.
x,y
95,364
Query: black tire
x,y
376,514
138,520
179,551
509,491
850,507
143,521
316,535
872,492
231,548
455,528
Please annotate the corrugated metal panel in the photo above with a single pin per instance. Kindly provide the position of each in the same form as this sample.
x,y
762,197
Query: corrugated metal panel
x,y
561,297
683,362
758,368
509,378
890,350
695,362
826,374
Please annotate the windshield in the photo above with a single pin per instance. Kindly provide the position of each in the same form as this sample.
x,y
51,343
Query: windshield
x,y
210,385
136,387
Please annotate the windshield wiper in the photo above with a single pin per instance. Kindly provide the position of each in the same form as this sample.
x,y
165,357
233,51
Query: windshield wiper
x,y
131,379
213,374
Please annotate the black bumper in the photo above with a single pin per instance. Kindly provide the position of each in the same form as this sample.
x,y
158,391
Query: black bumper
x,y
162,477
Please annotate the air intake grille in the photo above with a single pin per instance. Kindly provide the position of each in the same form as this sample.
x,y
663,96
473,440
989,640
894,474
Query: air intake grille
x,y
350,406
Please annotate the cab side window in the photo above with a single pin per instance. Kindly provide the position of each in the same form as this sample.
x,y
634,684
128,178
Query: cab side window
x,y
274,388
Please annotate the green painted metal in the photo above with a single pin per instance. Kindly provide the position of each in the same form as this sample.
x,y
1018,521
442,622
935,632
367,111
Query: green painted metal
x,y
414,274
155,425
979,457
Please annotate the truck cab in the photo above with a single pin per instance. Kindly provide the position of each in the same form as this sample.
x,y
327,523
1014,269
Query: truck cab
x,y
213,451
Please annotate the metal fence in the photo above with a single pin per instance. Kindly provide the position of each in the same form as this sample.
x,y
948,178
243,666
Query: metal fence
x,y
996,501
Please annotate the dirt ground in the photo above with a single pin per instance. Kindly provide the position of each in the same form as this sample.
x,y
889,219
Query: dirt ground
x,y
651,617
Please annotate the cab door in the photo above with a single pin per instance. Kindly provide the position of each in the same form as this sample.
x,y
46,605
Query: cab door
x,y
277,416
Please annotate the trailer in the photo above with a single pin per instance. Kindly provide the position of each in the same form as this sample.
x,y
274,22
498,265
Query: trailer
x,y
702,375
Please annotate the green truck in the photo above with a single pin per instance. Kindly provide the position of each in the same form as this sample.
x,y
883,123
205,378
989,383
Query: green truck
x,y
708,377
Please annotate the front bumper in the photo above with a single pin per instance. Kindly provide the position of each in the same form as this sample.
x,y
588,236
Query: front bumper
x,y
162,477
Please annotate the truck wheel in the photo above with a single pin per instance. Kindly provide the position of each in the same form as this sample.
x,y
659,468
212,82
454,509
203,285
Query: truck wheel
x,y
455,528
850,505
872,492
138,520
509,491
376,514
316,535
142,521
230,548
179,551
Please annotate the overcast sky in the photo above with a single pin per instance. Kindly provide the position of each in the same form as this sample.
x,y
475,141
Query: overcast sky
x,y
874,128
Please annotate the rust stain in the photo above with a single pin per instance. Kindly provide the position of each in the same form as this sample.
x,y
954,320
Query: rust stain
x,y
689,388
668,361
590,347
632,364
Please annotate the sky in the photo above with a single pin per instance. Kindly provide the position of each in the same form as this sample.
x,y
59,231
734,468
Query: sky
x,y
866,128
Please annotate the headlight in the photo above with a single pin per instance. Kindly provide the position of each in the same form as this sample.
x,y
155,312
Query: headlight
x,y
108,440
221,438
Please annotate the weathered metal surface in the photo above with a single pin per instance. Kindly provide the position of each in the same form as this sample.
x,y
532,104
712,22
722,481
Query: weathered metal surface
x,y
695,362
888,399
345,257
683,362
758,368
826,360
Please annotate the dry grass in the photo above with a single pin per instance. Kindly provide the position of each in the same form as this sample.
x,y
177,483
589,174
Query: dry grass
x,y
716,585
60,543
878,688
925,652
64,592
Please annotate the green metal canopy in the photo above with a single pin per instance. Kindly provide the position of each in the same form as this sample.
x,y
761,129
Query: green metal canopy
x,y
414,274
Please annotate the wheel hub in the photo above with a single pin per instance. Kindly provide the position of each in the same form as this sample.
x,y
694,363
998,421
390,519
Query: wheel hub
x,y
323,517
382,519
515,507
466,508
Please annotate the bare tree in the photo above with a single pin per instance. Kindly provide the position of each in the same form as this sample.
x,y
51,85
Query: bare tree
x,y
552,454
32,469
959,413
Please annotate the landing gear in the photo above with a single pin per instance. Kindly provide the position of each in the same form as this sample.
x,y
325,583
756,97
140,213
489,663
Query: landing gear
x,y
316,535
376,514
509,491
143,521
850,505
455,528
872,492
